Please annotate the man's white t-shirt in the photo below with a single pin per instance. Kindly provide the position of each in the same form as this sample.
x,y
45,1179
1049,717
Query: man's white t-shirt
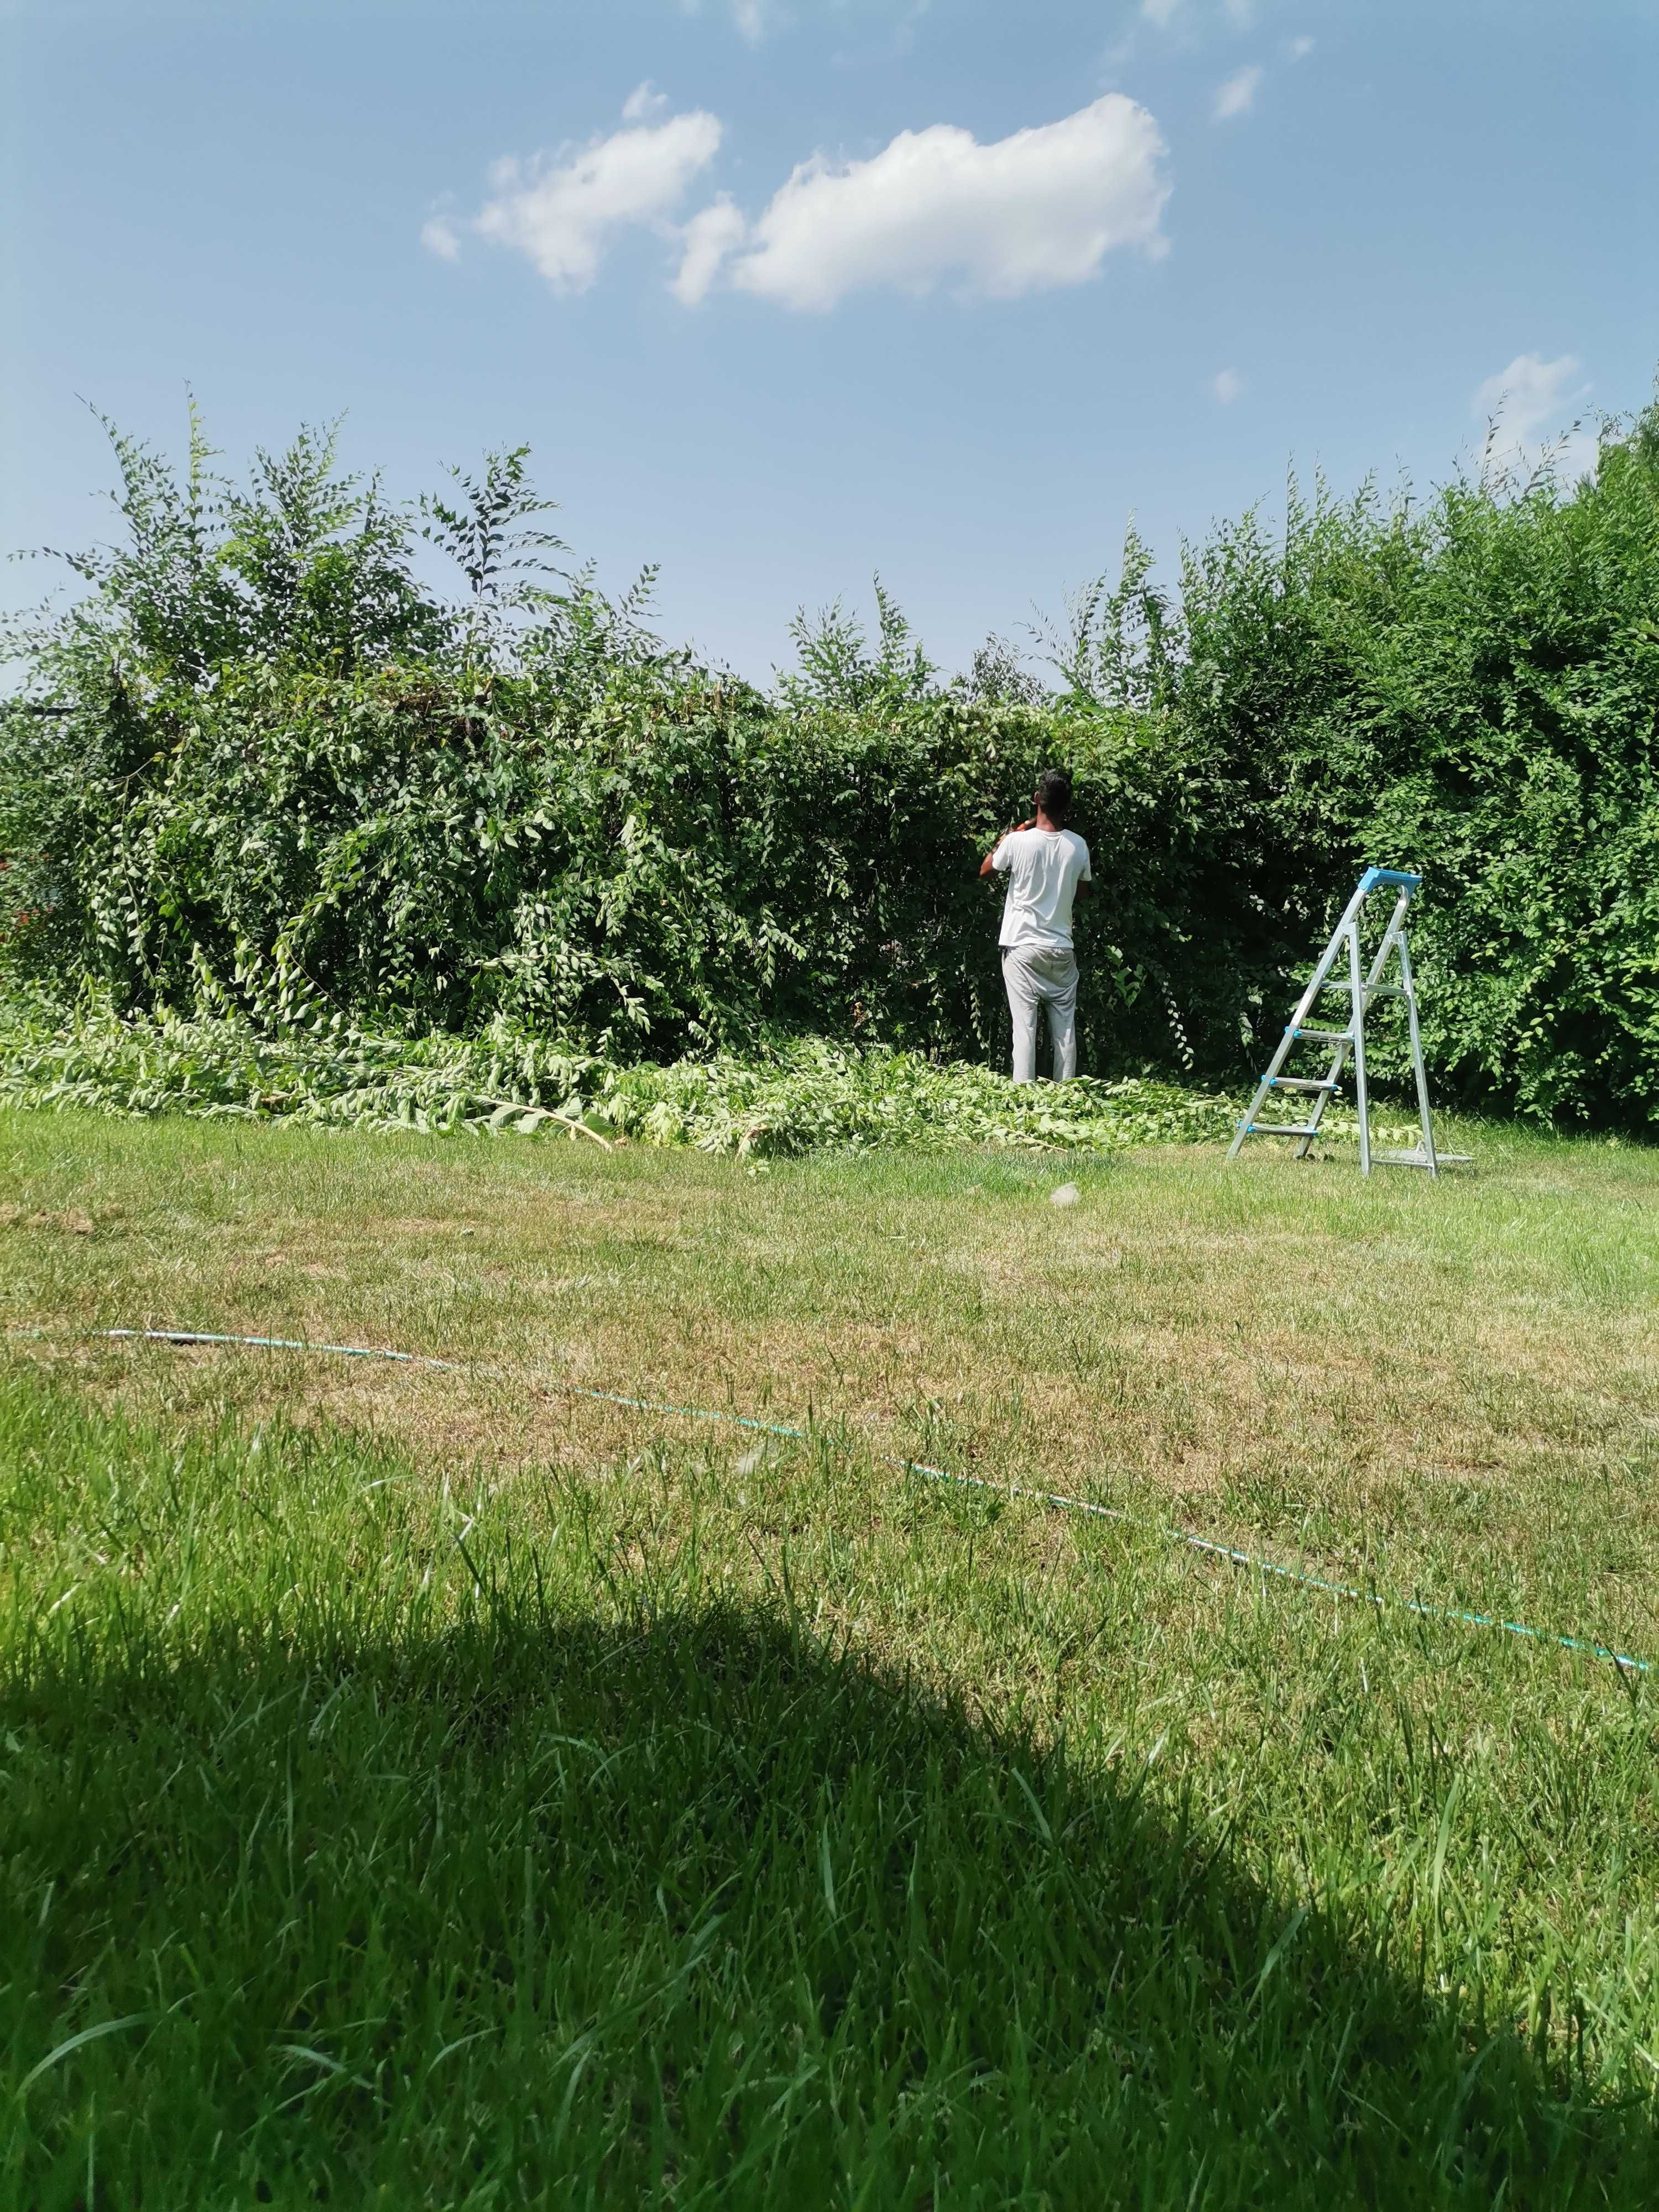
x,y
1044,868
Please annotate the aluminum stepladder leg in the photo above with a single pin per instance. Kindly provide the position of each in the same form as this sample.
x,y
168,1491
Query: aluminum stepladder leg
x,y
1362,985
1373,986
1357,1032
1273,1080
1425,1121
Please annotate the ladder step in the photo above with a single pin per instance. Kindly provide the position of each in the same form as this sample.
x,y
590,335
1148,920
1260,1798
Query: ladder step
x,y
1326,1036
1367,990
1297,1083
1283,1129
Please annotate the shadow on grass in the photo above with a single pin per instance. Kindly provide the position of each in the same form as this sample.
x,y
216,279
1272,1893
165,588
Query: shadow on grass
x,y
682,1908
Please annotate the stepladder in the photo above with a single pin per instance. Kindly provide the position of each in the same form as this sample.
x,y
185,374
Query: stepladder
x,y
1362,977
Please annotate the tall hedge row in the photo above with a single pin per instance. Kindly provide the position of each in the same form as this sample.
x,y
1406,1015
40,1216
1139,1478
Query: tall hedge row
x,y
673,863
256,759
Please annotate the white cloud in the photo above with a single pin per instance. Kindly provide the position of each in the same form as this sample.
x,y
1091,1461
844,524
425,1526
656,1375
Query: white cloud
x,y
1227,386
438,236
1521,401
644,101
1237,95
751,17
564,211
1199,20
1041,208
1299,49
707,239
1529,391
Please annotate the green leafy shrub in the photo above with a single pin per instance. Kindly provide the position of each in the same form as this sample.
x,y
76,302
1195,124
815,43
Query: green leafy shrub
x,y
542,813
260,767
1469,689
670,863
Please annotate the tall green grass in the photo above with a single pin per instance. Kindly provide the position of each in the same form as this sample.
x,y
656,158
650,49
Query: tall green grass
x,y
560,1839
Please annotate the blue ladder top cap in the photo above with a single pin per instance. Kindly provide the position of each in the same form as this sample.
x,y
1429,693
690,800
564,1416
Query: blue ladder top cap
x,y
1372,877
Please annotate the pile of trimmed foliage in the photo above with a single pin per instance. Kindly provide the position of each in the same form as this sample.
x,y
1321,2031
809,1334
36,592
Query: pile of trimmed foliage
x,y
806,1096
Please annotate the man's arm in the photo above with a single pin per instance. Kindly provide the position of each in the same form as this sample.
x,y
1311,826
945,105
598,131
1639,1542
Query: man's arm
x,y
985,865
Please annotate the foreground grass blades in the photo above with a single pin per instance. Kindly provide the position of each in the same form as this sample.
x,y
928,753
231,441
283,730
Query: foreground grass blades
x,y
436,1789
370,1842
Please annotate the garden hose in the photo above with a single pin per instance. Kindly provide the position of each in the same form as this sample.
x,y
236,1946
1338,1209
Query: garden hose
x,y
1257,1563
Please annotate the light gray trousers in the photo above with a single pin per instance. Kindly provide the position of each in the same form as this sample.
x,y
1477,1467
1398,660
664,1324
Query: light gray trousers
x,y
1035,979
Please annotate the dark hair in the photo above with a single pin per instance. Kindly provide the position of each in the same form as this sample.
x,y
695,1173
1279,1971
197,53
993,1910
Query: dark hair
x,y
1054,794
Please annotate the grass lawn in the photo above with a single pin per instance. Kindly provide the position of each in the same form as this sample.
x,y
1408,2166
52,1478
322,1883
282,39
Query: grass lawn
x,y
442,1788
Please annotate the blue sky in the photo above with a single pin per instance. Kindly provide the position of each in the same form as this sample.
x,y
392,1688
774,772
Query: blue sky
x,y
784,291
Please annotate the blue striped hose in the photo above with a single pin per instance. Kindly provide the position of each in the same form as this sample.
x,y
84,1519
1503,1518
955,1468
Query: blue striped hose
x,y
1175,1535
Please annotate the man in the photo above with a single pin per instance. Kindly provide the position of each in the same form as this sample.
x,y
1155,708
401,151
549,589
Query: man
x,y
1046,866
